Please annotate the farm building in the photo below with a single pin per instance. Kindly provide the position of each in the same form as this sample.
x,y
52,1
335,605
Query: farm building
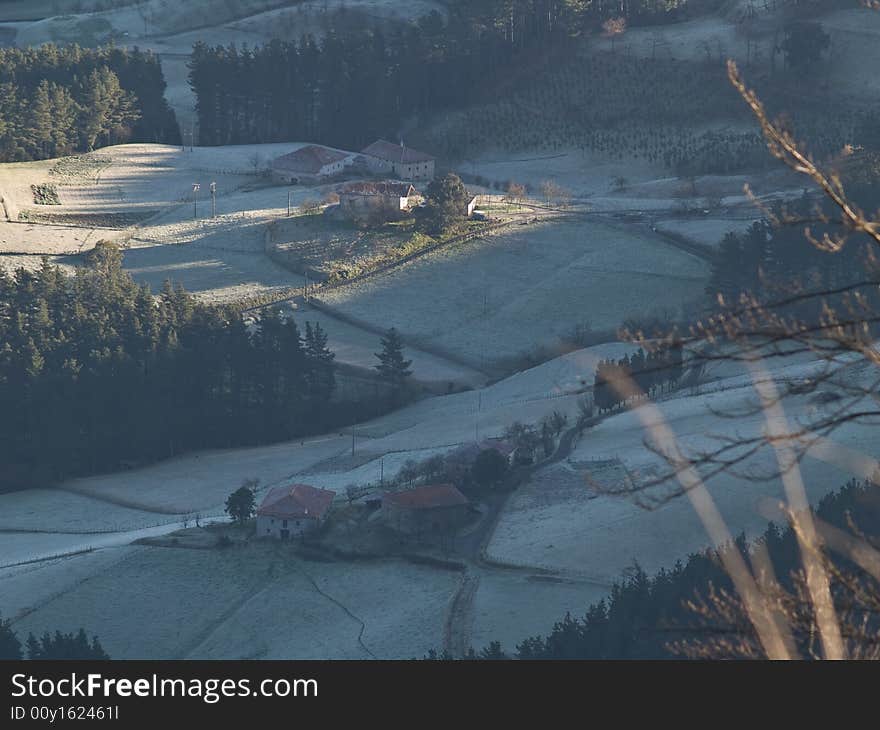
x,y
436,508
293,511
401,161
310,165
387,198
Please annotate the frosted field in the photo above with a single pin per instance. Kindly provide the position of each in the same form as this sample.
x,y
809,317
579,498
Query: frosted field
x,y
252,602
855,40
707,231
220,259
202,481
156,176
506,294
599,536
510,606
114,509
355,346
261,602
24,588
53,510
402,608
34,239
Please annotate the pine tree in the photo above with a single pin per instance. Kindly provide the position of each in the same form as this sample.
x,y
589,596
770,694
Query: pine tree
x,y
321,371
10,646
392,367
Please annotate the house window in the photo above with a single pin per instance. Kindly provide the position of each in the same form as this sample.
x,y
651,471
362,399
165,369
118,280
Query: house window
x,y
284,524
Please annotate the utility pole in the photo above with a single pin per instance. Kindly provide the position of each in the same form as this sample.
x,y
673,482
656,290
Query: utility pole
x,y
306,291
196,188
477,416
288,203
213,200
352,440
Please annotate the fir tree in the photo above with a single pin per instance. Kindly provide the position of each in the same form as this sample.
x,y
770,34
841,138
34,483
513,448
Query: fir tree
x,y
392,367
10,646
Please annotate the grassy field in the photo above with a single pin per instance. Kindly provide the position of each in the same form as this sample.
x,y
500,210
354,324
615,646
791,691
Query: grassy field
x,y
257,601
563,520
527,287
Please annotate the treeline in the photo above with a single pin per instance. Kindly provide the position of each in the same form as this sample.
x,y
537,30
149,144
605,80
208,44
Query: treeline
x,y
56,100
650,372
347,90
773,262
49,646
645,617
96,374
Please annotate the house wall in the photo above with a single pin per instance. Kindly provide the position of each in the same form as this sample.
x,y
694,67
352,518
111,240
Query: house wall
x,y
411,171
307,178
272,526
289,177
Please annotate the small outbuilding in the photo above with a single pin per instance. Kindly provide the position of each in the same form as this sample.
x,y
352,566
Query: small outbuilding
x,y
432,509
293,511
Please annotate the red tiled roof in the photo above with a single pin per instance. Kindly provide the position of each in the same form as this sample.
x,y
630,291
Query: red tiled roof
x,y
296,501
429,497
309,159
391,152
386,187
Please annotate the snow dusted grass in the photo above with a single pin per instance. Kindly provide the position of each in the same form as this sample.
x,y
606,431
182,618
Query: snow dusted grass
x,y
201,482
511,606
53,510
855,38
355,346
24,588
506,294
18,547
597,536
526,396
155,176
402,608
170,596
37,239
707,231
257,601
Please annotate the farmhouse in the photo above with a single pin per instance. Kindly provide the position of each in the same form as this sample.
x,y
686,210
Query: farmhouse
x,y
401,161
367,198
293,511
310,165
436,508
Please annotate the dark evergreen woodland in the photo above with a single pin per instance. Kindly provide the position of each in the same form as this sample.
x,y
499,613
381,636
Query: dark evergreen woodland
x,y
347,90
56,101
97,373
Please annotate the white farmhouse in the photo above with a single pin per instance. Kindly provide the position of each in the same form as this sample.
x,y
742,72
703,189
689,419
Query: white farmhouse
x,y
293,511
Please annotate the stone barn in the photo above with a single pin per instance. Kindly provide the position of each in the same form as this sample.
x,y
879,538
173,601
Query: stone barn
x,y
385,199
310,165
434,509
387,158
293,511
